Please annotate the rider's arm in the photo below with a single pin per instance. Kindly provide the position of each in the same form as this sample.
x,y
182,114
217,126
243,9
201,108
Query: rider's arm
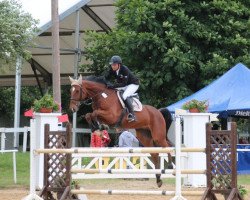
x,y
122,78
108,74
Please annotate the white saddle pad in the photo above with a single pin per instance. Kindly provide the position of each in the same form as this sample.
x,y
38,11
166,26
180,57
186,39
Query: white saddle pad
x,y
137,105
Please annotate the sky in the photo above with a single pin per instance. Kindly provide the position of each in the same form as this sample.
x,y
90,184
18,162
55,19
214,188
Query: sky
x,y
41,9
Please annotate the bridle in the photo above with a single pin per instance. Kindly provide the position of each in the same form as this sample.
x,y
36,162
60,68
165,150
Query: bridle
x,y
80,102
88,101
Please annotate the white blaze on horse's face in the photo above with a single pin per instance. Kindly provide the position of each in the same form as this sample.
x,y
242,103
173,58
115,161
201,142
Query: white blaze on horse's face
x,y
75,94
74,103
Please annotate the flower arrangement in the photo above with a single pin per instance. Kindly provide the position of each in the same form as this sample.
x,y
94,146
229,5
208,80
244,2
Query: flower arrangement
x,y
200,106
47,102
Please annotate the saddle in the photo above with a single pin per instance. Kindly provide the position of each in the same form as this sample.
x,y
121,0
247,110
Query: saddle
x,y
137,105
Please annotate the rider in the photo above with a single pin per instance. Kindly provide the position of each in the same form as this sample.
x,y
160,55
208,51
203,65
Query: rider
x,y
126,80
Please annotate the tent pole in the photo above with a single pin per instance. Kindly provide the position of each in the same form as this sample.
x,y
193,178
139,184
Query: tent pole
x,y
17,100
76,63
55,53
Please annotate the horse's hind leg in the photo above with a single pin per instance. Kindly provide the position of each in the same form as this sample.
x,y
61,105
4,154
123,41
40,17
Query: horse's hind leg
x,y
161,142
156,160
165,143
145,138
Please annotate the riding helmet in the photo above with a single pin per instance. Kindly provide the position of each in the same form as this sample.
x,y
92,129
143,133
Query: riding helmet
x,y
115,59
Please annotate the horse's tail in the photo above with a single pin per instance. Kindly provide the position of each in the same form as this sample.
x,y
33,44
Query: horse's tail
x,y
168,119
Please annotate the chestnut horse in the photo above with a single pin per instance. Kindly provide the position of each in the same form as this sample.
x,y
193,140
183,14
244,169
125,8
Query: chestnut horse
x,y
151,125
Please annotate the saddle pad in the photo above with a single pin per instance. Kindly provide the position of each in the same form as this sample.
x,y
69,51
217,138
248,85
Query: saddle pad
x,y
137,105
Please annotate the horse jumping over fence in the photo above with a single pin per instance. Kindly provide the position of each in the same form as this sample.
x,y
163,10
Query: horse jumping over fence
x,y
151,125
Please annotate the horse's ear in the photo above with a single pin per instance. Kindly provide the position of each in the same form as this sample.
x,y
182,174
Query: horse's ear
x,y
71,79
80,79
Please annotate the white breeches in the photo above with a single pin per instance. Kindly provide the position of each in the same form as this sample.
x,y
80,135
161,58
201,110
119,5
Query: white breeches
x,y
129,90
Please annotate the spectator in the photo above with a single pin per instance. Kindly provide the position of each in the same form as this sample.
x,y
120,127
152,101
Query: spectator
x,y
127,139
100,138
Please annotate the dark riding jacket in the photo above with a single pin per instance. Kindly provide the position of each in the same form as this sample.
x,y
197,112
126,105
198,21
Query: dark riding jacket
x,y
123,78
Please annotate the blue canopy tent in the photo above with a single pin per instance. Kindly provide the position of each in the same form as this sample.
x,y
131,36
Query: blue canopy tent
x,y
229,95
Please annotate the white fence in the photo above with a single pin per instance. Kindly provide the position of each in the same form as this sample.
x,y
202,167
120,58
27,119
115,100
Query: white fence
x,y
136,161
5,131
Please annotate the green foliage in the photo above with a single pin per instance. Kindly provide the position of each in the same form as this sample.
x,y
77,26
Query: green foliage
x,y
28,95
7,103
242,190
46,101
17,30
7,100
200,105
175,47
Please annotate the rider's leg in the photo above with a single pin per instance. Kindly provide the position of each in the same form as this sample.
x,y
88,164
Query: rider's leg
x,y
131,115
130,89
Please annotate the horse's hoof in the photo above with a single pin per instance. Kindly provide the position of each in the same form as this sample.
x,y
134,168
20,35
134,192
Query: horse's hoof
x,y
159,183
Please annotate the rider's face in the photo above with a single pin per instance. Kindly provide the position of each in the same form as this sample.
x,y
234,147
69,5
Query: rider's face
x,y
115,66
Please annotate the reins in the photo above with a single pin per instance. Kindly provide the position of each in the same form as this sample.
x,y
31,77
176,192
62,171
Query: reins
x,y
89,100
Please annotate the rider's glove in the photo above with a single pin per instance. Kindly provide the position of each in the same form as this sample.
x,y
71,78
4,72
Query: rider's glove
x,y
111,86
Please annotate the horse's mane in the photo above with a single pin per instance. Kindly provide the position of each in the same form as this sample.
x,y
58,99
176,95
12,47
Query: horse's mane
x,y
97,79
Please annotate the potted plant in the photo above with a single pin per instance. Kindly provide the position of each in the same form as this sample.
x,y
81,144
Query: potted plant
x,y
45,105
196,106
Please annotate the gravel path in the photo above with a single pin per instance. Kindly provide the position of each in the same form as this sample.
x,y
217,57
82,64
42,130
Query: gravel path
x,y
128,184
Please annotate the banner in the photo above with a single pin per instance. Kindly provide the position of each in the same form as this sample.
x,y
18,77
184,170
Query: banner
x,y
243,161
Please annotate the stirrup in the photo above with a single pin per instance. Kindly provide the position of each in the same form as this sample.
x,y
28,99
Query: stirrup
x,y
131,118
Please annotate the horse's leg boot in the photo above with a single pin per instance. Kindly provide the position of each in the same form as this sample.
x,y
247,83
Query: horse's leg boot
x,y
131,115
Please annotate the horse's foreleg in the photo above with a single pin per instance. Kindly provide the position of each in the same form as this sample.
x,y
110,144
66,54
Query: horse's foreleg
x,y
92,118
91,121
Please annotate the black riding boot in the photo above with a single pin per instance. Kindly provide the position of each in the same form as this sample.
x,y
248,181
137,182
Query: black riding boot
x,y
131,115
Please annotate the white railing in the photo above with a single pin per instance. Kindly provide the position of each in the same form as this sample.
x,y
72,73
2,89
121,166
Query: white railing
x,y
5,131
23,130
136,161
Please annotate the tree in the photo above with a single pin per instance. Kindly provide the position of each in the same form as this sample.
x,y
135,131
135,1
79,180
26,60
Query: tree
x,y
17,30
176,47
28,95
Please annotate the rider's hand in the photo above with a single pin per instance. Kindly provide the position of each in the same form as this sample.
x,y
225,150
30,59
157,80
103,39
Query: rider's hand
x,y
109,85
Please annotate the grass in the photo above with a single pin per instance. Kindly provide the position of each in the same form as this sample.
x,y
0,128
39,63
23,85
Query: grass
x,y
243,179
23,170
6,170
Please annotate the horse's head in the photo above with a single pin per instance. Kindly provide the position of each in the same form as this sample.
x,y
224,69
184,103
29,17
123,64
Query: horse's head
x,y
77,93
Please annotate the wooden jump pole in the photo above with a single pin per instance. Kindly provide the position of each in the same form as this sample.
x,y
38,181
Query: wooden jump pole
x,y
134,192
119,150
137,171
